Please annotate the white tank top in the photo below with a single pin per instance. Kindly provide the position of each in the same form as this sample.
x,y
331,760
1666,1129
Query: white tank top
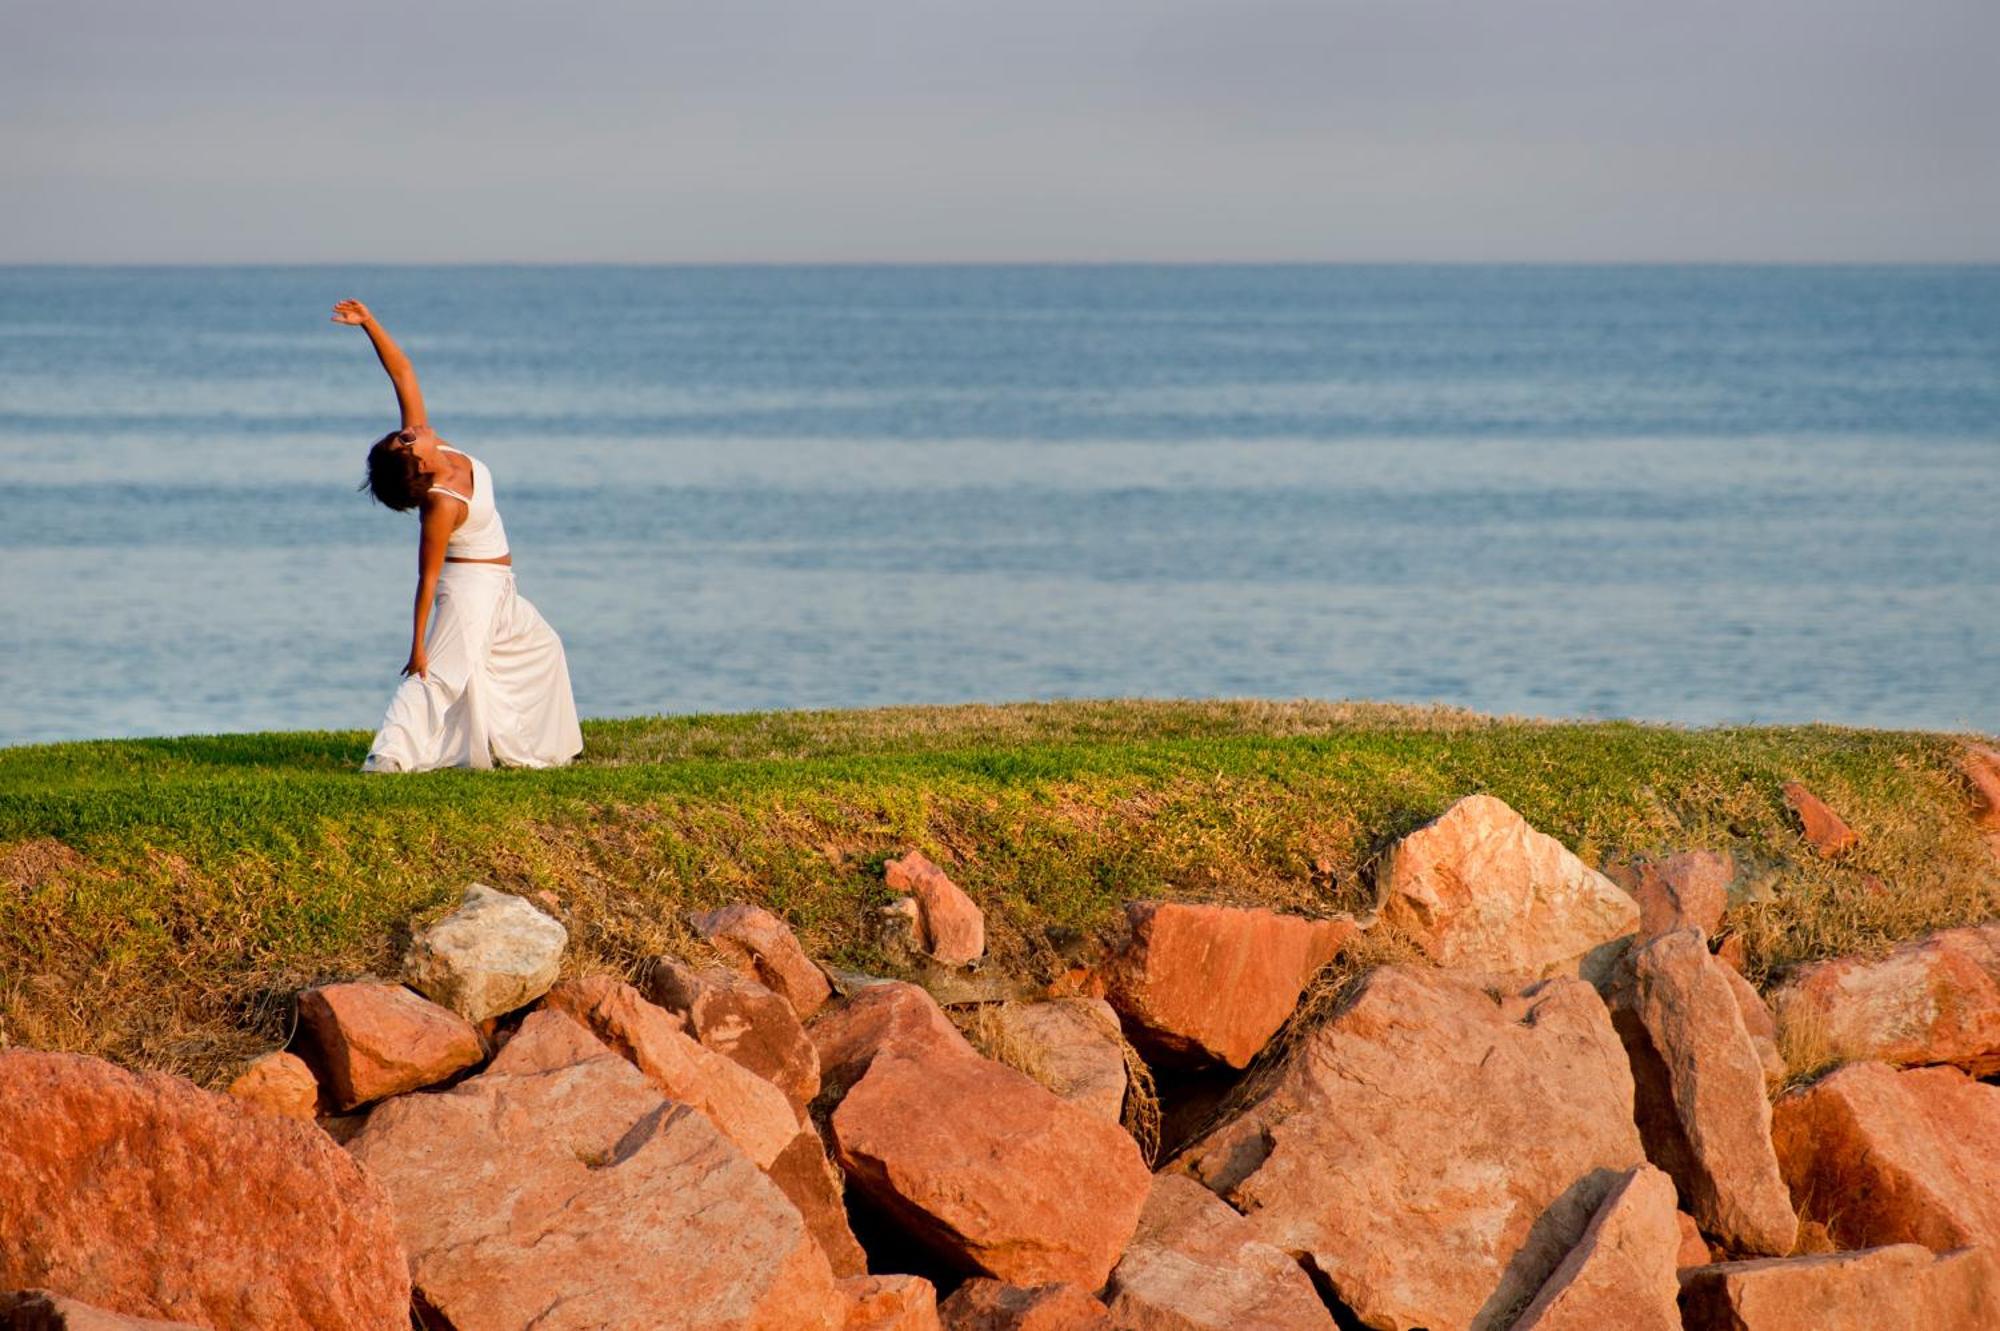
x,y
480,536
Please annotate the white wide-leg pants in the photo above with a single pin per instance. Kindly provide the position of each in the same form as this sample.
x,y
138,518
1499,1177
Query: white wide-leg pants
x,y
498,690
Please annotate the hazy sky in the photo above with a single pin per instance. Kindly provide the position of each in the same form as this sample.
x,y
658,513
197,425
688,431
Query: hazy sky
x,y
475,130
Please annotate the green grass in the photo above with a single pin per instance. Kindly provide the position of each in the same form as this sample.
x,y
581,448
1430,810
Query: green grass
x,y
161,900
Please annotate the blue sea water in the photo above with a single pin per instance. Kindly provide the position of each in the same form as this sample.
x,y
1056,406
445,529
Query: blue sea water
x,y
1686,494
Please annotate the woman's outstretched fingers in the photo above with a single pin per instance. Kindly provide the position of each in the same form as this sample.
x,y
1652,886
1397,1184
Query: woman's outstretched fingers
x,y
350,312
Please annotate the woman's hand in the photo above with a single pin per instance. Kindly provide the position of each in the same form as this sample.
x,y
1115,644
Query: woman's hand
x,y
419,664
409,398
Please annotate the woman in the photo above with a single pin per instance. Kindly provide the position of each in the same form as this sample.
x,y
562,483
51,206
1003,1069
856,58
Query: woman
x,y
486,681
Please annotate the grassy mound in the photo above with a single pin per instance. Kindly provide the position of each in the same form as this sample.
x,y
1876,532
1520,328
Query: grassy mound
x,y
162,900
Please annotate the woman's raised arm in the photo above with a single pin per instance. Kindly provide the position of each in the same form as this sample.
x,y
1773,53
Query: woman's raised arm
x,y
401,373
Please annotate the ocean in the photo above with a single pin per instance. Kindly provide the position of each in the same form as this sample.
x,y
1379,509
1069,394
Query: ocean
x,y
1686,494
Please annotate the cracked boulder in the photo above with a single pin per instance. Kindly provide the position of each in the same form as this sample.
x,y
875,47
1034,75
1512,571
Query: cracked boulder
x,y
1437,1147
1196,1265
559,1189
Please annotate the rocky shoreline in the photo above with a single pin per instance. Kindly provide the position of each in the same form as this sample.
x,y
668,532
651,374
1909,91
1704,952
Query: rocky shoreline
x,y
1549,1105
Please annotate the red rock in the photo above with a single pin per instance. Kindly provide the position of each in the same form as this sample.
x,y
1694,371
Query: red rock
x,y
949,926
1903,1288
376,1040
1196,1265
896,1017
986,1168
890,1303
1073,1047
1437,1147
1480,889
1757,1021
279,1083
1691,888
811,1183
1824,829
1694,1248
992,1305
146,1196
759,946
1895,1157
749,1110
40,1310
1934,1000
1621,1272
741,1020
1212,984
1701,1104
558,1189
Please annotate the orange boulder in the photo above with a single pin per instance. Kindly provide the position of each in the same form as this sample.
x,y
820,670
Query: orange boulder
x,y
760,946
990,1170
1437,1147
1621,1272
1694,1248
280,1083
1934,1000
143,1195
1212,984
812,1184
749,1110
1895,1156
1691,888
376,1040
1758,1022
1826,831
1902,1288
893,1017
1981,766
1701,1104
558,1189
743,1021
1196,1265
1480,889
949,926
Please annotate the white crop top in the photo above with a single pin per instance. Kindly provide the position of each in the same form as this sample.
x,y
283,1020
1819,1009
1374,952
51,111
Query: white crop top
x,y
480,536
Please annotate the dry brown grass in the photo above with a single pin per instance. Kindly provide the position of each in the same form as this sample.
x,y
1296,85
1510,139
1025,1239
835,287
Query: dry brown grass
x,y
1807,1045
791,735
983,1028
1140,1115
986,1030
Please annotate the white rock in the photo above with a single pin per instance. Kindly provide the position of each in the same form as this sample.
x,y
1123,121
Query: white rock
x,y
494,954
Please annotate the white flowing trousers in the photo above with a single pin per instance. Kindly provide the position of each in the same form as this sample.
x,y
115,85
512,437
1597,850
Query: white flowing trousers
x,y
498,690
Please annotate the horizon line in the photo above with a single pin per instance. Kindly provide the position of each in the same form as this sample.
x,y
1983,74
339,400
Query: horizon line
x,y
1986,262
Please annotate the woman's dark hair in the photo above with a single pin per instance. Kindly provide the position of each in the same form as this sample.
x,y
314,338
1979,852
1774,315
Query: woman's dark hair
x,y
395,477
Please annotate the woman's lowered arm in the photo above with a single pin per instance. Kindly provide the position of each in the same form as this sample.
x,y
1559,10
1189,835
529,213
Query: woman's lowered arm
x,y
439,518
401,373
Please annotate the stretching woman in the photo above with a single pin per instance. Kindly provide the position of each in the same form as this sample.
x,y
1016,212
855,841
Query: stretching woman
x,y
486,681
